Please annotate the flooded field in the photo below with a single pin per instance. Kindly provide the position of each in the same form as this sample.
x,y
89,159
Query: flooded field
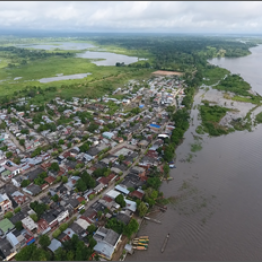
x,y
68,77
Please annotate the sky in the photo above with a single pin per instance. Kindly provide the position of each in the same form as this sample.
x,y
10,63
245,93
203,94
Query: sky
x,y
203,17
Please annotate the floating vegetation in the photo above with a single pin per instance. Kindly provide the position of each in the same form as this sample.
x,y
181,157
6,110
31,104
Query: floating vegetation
x,y
196,147
189,158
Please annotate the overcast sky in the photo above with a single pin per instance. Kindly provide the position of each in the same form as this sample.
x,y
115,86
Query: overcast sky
x,y
173,17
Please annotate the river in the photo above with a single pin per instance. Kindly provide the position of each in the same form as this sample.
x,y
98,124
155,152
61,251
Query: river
x,y
218,215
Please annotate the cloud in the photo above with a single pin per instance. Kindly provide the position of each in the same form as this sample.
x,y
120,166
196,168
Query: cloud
x,y
156,16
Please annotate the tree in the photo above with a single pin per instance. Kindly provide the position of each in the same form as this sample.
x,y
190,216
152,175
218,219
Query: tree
x,y
9,154
34,217
99,214
8,214
22,142
64,179
166,169
61,142
142,209
154,182
115,225
25,253
131,228
120,200
60,254
18,209
55,198
121,158
91,228
44,241
19,225
25,183
54,167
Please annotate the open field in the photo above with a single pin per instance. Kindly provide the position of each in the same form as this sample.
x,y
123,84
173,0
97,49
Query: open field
x,y
167,73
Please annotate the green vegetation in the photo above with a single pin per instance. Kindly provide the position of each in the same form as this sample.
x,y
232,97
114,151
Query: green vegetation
x,y
213,74
120,200
259,118
85,182
211,115
196,147
44,241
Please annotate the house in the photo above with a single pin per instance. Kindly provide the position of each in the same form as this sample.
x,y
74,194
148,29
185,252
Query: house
x,y
80,231
112,194
5,202
104,250
34,174
29,224
137,194
42,227
99,187
108,135
12,239
143,143
123,217
33,189
140,171
17,217
130,205
7,252
73,203
154,127
66,235
70,185
122,189
50,180
55,244
107,236
83,223
6,226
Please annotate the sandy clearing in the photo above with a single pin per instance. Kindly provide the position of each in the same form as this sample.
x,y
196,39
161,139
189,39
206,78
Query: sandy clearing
x,y
167,73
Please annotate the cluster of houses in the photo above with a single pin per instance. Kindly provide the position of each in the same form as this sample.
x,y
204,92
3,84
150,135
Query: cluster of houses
x,y
129,150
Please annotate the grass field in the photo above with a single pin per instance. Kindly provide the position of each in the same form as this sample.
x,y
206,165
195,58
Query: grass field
x,y
102,78
213,75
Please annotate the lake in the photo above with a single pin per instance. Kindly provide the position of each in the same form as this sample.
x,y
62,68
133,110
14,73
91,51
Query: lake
x,y
218,212
109,59
67,77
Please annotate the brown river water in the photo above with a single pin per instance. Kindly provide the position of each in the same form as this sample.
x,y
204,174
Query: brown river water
x,y
218,214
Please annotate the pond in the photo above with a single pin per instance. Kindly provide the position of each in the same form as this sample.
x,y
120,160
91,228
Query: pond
x,y
67,77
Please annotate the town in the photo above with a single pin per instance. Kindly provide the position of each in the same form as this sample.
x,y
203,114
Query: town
x,y
84,167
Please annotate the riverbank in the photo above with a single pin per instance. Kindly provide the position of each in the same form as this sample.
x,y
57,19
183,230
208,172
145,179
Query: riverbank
x,y
205,191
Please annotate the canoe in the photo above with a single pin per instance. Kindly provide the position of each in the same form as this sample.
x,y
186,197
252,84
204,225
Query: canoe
x,y
140,248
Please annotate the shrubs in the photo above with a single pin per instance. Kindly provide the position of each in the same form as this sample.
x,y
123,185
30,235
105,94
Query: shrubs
x,y
8,214
56,233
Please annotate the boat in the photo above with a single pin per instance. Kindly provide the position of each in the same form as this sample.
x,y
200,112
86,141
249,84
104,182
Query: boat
x,y
139,248
169,178
143,237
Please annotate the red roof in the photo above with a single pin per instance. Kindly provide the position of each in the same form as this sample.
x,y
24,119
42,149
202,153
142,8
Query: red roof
x,y
80,199
137,194
50,179
107,199
106,180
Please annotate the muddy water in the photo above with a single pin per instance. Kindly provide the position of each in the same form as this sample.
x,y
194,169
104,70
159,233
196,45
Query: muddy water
x,y
218,212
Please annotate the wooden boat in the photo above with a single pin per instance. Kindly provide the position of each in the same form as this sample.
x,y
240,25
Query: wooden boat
x,y
143,237
143,240
139,248
140,244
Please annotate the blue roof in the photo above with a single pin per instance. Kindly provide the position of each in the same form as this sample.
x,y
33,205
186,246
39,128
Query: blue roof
x,y
141,106
154,125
